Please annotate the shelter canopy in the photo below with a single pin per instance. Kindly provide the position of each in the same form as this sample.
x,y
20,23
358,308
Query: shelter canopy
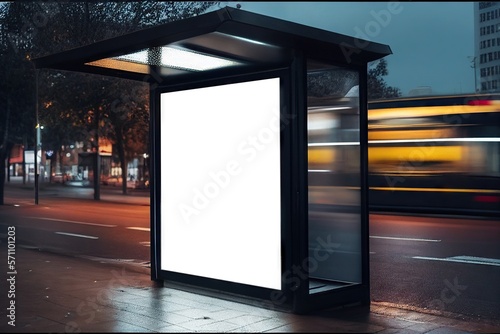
x,y
226,40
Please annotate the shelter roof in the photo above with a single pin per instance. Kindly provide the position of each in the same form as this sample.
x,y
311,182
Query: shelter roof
x,y
226,40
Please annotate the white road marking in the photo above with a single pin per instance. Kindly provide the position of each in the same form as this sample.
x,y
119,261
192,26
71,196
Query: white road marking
x,y
145,229
463,259
77,235
71,221
404,239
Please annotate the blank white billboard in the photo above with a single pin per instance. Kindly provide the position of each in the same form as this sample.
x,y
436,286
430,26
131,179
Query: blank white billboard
x,y
220,182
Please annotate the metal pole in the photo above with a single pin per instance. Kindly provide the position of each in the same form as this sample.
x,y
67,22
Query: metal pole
x,y
97,162
37,136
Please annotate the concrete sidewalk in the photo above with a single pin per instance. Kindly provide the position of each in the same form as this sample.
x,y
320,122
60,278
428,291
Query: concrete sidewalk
x,y
59,294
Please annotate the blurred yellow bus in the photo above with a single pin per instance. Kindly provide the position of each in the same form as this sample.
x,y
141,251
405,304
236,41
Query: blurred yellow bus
x,y
436,154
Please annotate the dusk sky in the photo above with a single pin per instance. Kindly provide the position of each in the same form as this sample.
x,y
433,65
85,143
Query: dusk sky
x,y
432,42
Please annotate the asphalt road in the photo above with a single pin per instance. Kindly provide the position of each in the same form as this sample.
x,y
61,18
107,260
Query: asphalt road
x,y
444,264
68,220
447,264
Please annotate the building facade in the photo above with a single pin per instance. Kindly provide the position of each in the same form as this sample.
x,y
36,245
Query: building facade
x,y
487,46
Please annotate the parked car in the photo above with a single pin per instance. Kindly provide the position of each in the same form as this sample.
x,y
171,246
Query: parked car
x,y
111,180
59,177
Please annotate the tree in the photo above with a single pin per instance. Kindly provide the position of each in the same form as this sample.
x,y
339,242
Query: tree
x,y
118,107
125,120
70,102
377,87
336,82
17,92
64,115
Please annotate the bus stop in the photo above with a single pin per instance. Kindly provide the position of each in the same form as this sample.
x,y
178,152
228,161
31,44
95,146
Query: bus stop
x,y
259,154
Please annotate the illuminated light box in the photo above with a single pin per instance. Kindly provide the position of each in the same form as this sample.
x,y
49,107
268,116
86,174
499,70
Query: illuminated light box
x,y
220,182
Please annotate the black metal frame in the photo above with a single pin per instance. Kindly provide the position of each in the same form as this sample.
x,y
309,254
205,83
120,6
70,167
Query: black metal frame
x,y
285,152
285,35
358,294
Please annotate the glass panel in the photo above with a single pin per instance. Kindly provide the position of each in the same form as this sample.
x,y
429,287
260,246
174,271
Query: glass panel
x,y
334,177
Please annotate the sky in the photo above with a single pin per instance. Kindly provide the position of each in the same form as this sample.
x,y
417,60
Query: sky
x,y
432,42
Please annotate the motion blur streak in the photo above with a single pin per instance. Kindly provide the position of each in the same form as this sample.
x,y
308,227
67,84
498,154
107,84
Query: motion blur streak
x,y
436,154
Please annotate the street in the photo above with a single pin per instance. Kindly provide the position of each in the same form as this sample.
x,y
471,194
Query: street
x,y
445,264
70,221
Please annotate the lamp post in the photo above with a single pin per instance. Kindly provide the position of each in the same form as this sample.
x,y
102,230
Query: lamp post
x,y
37,136
37,129
144,156
96,161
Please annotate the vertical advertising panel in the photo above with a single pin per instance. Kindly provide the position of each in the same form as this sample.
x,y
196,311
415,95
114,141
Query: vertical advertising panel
x,y
220,182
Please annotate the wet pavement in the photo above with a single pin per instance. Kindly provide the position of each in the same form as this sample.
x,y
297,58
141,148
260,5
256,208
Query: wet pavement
x,y
56,293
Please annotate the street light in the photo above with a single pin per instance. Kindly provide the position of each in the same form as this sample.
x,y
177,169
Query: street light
x,y
37,140
145,156
37,128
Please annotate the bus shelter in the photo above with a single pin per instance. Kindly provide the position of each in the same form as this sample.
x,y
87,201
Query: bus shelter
x,y
259,154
